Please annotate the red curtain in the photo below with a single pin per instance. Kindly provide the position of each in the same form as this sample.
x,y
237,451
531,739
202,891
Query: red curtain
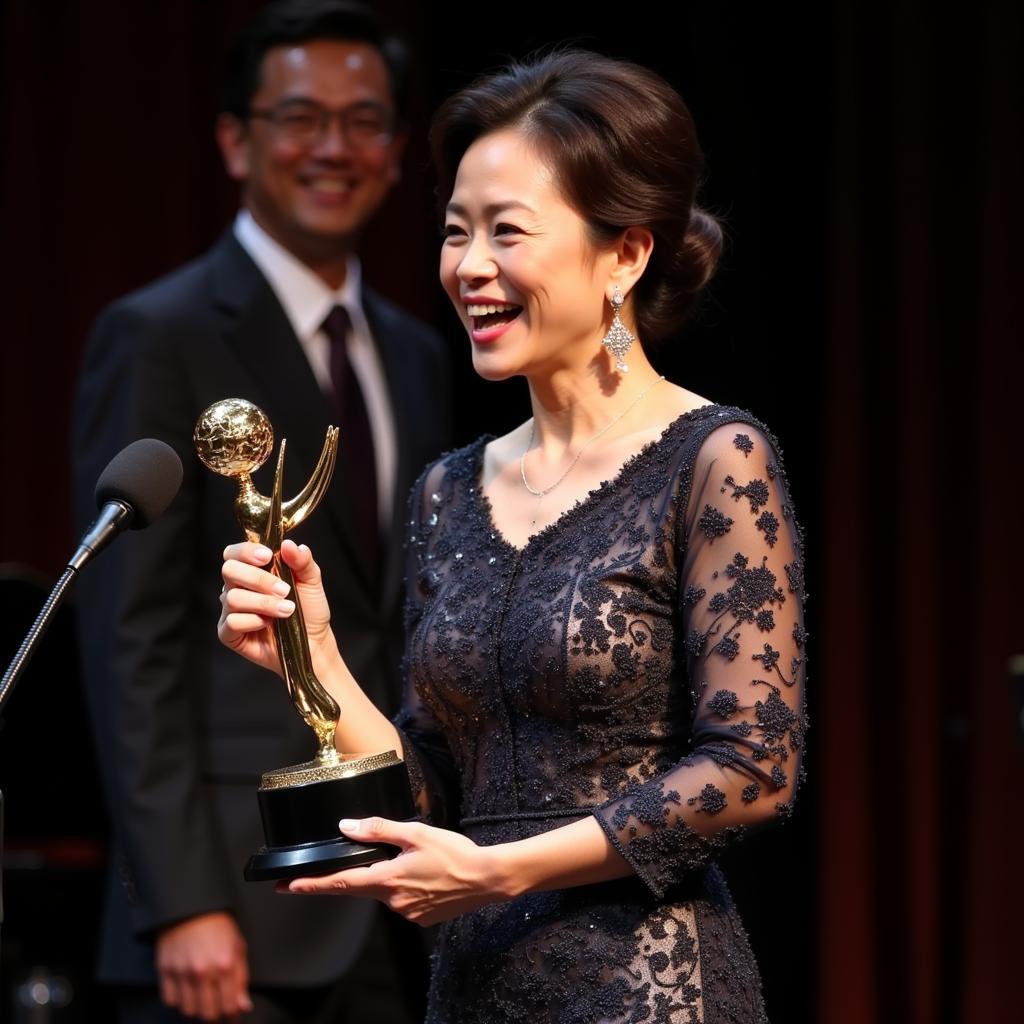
x,y
922,759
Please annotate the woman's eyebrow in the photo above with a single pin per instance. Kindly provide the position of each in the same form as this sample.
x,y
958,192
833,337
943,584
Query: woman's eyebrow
x,y
491,209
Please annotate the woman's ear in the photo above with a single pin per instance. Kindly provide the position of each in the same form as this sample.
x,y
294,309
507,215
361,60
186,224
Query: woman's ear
x,y
632,252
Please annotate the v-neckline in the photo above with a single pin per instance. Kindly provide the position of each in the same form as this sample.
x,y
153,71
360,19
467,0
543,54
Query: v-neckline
x,y
583,504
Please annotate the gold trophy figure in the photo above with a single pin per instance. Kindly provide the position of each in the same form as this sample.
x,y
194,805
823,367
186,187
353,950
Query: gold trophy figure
x,y
300,805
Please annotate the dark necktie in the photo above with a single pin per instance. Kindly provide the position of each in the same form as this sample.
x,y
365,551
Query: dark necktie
x,y
355,444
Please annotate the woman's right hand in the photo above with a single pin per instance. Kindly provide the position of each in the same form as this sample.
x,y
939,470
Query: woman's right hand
x,y
253,598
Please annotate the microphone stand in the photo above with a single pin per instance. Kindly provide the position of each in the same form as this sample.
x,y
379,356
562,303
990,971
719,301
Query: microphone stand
x,y
122,477
17,666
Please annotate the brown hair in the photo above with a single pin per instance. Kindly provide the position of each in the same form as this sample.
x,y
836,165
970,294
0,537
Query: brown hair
x,y
624,152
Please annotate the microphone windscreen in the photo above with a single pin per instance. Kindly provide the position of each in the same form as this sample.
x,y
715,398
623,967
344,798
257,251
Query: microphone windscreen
x,y
145,476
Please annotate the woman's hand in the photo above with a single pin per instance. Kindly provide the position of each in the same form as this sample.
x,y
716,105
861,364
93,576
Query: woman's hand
x,y
253,598
437,876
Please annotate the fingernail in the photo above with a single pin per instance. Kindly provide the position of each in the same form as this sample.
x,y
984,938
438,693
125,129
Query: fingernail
x,y
262,553
286,607
348,825
304,548
281,588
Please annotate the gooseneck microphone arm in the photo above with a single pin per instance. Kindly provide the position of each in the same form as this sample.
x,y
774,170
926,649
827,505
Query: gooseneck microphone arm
x,y
35,634
113,518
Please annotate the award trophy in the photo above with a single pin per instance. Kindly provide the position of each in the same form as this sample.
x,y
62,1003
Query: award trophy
x,y
301,805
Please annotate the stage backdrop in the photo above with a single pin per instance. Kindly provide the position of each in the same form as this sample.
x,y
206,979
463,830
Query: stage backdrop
x,y
866,160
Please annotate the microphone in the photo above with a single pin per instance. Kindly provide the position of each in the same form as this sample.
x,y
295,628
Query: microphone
x,y
135,488
133,491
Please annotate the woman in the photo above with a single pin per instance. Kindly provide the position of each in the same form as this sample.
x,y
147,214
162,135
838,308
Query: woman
x,y
605,638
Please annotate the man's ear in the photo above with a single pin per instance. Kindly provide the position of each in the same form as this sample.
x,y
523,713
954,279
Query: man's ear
x,y
233,142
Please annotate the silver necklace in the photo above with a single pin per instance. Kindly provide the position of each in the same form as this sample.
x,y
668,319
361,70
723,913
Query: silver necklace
x,y
583,447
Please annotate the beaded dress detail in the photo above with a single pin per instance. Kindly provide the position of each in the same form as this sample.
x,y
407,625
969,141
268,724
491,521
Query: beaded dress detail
x,y
640,660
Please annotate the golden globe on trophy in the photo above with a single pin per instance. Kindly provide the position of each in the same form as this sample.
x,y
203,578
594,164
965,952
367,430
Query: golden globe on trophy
x,y
300,805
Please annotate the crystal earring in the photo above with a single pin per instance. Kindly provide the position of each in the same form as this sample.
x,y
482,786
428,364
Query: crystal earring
x,y
619,337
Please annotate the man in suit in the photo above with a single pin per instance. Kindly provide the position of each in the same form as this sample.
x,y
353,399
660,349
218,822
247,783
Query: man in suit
x,y
276,313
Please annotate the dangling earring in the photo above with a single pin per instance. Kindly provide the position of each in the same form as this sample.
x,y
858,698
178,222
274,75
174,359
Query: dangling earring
x,y
619,337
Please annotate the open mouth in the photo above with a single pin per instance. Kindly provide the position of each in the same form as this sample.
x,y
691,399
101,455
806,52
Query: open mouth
x,y
485,318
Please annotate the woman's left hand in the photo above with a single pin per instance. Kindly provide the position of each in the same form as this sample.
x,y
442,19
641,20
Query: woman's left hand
x,y
438,875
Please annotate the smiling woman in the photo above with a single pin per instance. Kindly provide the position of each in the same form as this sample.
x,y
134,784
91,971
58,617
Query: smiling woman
x,y
605,639
516,261
640,167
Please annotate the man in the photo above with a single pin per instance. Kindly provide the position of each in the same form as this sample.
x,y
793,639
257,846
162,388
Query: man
x,y
183,727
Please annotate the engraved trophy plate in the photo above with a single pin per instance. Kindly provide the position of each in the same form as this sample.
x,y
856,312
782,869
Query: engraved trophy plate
x,y
300,805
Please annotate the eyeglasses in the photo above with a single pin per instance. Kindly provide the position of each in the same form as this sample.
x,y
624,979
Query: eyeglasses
x,y
306,123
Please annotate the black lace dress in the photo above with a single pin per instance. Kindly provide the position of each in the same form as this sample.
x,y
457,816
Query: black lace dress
x,y
640,660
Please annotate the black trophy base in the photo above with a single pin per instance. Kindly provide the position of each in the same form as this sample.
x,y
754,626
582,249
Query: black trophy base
x,y
313,859
300,821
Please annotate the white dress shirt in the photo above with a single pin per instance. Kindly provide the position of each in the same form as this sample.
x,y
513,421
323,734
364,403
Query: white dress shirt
x,y
307,300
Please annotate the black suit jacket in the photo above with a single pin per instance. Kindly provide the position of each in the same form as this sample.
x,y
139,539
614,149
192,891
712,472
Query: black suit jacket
x,y
183,727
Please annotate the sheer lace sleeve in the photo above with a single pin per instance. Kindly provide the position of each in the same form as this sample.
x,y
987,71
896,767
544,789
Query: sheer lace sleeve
x,y
741,633
427,755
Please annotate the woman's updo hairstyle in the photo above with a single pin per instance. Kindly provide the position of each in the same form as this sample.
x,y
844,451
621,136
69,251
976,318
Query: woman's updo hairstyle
x,y
624,152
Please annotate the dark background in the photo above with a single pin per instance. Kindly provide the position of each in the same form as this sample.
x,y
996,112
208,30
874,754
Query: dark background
x,y
866,159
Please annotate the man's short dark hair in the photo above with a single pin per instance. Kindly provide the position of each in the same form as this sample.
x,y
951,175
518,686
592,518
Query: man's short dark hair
x,y
292,22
